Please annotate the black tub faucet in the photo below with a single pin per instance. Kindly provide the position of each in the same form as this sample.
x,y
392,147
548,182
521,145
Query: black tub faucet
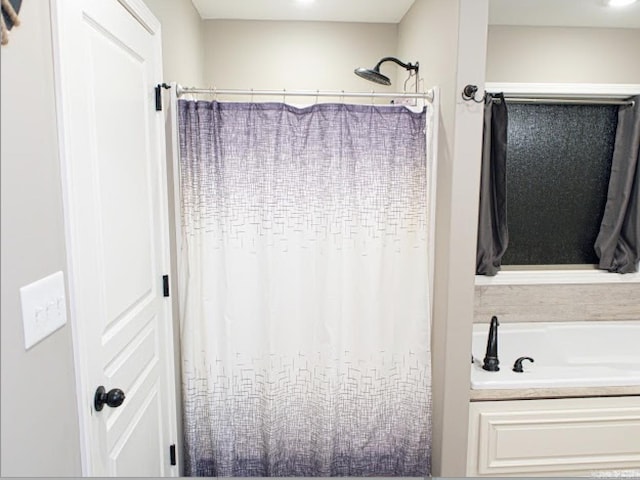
x,y
517,367
491,361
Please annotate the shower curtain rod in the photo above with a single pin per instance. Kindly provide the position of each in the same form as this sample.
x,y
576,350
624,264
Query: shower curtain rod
x,y
510,98
180,90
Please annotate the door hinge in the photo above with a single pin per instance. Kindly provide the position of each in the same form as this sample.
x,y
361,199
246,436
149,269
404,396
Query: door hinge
x,y
159,88
172,454
165,285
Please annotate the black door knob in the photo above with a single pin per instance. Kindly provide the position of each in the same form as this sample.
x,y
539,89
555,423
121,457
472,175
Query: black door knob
x,y
113,398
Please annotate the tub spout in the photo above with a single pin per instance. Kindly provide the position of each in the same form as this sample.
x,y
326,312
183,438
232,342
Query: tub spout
x,y
491,361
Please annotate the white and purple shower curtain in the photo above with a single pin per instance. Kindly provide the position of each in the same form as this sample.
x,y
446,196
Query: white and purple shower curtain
x,y
304,290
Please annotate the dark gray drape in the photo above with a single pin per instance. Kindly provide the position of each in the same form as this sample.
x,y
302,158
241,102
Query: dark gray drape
x,y
493,235
618,243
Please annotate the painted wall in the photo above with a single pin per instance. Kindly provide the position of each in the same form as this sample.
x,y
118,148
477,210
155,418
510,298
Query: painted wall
x,y
39,417
296,55
448,38
182,40
563,55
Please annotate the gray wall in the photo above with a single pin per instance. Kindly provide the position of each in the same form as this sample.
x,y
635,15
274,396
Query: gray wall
x,y
183,45
563,54
296,55
448,38
39,417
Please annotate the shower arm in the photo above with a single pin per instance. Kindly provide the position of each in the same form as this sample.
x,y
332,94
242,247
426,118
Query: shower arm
x,y
406,66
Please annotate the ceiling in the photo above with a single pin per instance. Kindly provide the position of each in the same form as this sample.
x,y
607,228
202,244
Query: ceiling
x,y
577,13
369,11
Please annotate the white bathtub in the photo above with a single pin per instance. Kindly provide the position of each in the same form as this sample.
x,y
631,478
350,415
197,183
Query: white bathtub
x,y
567,354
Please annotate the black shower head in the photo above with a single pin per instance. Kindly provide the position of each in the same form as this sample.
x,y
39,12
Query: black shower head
x,y
374,75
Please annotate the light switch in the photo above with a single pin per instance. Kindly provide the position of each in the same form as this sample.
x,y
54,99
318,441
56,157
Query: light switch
x,y
44,308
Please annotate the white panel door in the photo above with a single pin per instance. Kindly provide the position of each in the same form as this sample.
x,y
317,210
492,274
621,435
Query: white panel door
x,y
109,59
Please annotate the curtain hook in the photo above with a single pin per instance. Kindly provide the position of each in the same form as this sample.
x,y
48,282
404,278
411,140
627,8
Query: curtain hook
x,y
404,86
317,96
373,101
342,96
284,95
252,95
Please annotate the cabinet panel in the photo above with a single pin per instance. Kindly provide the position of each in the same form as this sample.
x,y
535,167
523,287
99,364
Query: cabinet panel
x,y
554,436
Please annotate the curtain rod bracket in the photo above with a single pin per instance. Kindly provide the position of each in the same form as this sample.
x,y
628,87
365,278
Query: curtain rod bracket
x,y
469,94
158,89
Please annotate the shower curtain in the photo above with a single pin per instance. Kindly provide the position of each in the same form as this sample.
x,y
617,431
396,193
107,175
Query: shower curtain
x,y
305,322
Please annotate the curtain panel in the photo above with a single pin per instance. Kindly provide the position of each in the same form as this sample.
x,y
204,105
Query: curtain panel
x,y
493,233
618,242
305,322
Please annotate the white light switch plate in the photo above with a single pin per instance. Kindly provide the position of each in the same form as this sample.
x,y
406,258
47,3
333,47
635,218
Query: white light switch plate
x,y
44,308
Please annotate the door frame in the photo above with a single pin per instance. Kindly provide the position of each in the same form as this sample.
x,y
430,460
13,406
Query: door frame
x,y
84,389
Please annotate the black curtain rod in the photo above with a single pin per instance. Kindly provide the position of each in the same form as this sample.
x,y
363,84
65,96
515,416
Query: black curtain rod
x,y
563,100
469,94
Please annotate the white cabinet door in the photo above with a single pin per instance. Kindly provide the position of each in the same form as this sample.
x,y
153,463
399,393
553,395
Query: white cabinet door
x,y
554,437
109,59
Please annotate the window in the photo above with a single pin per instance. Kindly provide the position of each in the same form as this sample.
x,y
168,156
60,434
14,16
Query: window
x,y
558,166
